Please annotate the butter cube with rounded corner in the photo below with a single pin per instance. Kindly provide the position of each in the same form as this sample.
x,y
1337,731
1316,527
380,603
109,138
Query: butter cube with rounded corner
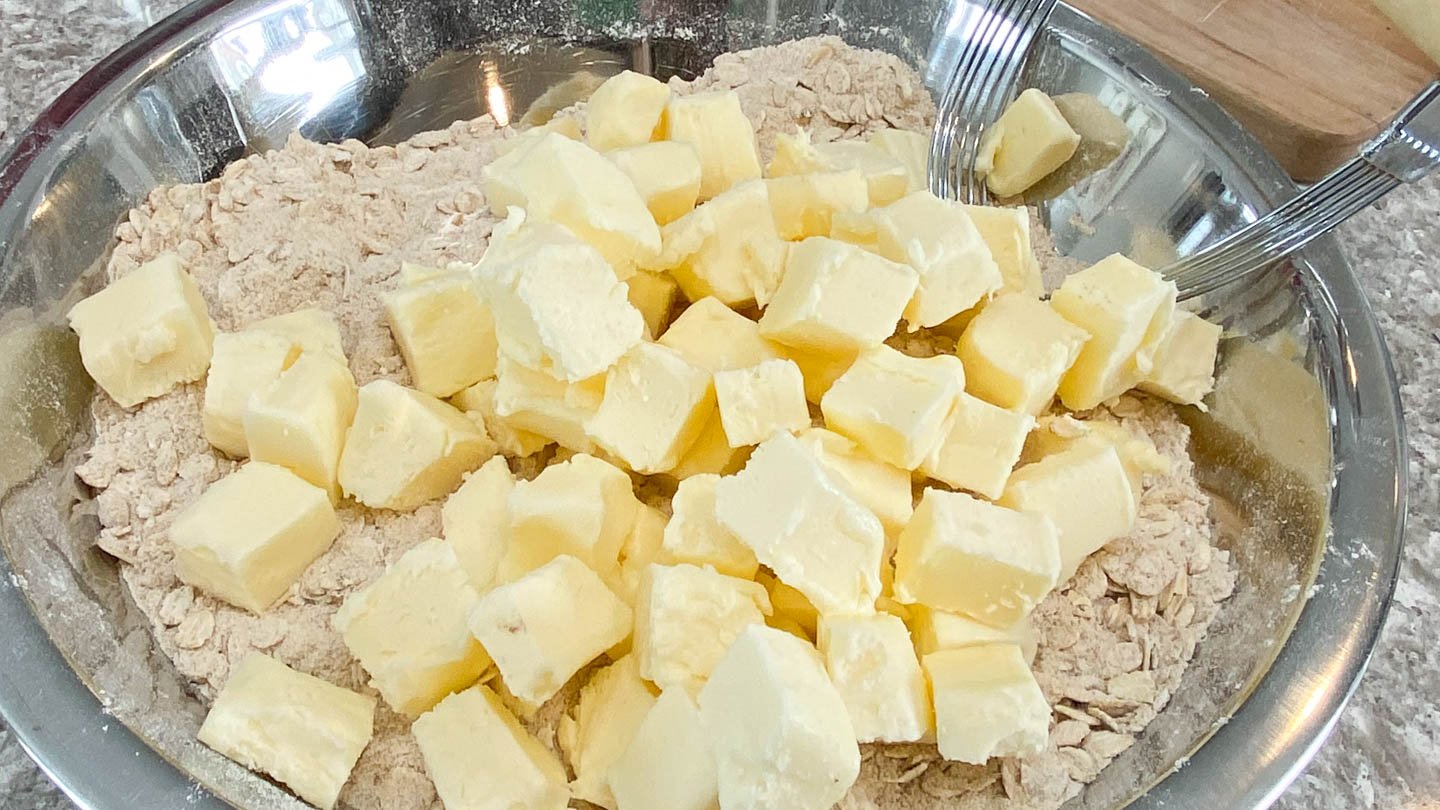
x,y
405,447
667,175
300,421
723,138
935,630
727,248
145,332
542,628
481,758
895,406
987,703
758,402
475,521
1137,452
912,149
1127,310
655,406
624,111
534,402
243,365
445,333
609,712
882,488
685,619
873,665
582,507
980,447
717,338
297,728
803,204
479,399
408,629
1184,365
655,295
694,536
859,230
965,555
836,298
667,765
937,238
314,330
1030,140
1016,350
230,547
886,179
1086,493
711,452
1006,232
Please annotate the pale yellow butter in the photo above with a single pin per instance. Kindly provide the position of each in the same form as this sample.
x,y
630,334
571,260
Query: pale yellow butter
x,y
625,110
408,629
727,248
667,175
937,238
758,402
542,628
685,619
248,537
965,555
695,536
655,295
640,549
314,330
717,338
667,765
980,447
481,758
836,297
1030,140
1006,232
895,406
243,364
882,488
820,369
886,178
987,703
791,611
1184,361
804,204
938,630
405,448
912,149
723,138
859,230
779,730
445,333
479,399
804,526
872,663
1137,453
303,731
475,520
144,333
1016,351
582,507
711,452
654,408
532,401
300,421
611,708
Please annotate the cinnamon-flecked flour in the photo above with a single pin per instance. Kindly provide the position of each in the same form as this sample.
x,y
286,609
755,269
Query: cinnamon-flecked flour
x,y
328,226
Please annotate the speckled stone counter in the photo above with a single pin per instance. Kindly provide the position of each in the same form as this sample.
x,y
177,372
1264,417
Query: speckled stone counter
x,y
1385,752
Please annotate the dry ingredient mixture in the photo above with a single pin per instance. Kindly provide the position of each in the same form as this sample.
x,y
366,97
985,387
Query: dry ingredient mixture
x,y
328,225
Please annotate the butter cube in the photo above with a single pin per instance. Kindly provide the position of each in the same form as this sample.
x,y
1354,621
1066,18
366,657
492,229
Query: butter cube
x,y
567,126
475,521
314,330
582,507
694,536
882,488
414,274
723,138
667,175
711,453
542,628
895,406
965,555
835,297
727,247
407,629
479,399
803,204
912,149
685,619
1084,491
667,765
611,708
243,364
405,448
481,758
980,447
534,402
935,630
1127,311
820,369
295,727
557,305
757,402
790,607
655,295
1006,232
987,703
556,179
249,536
778,728
873,666
1016,351
624,111
886,178
641,548
1184,364
145,333
859,230
445,332
1030,140
804,526
1137,453
717,338
654,408
299,422
938,239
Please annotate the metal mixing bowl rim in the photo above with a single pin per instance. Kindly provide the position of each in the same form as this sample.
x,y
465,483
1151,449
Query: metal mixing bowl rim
x,y
90,754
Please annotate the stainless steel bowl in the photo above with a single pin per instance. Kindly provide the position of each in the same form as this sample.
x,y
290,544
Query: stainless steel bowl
x,y
1302,444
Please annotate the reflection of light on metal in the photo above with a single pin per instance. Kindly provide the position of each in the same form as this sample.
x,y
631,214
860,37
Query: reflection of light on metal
x,y
496,97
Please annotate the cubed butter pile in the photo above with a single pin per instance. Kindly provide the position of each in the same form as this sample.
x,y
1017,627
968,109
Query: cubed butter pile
x,y
850,555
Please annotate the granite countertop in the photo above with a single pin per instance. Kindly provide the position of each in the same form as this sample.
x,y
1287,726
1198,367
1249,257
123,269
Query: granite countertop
x,y
1385,752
